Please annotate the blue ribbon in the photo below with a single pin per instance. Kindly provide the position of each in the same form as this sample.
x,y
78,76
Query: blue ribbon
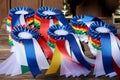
x,y
58,14
72,41
105,43
83,19
15,17
29,47
106,53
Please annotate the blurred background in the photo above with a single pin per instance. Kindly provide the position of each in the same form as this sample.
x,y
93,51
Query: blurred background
x,y
99,8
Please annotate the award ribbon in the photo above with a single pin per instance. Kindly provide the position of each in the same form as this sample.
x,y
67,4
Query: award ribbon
x,y
19,16
35,59
62,34
46,17
81,24
101,38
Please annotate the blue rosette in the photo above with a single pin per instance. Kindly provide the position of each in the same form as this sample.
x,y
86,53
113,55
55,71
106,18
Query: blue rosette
x,y
101,39
28,36
81,25
19,16
15,17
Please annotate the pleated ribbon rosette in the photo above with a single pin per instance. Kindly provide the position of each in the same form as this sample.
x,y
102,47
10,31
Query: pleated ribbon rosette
x,y
81,24
45,17
64,61
19,16
27,54
105,45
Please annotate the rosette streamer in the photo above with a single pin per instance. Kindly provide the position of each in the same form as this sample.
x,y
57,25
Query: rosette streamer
x,y
46,17
27,54
105,45
19,16
81,24
62,57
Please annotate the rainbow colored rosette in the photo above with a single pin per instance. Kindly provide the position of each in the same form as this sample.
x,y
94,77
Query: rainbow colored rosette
x,y
19,16
45,17
69,63
104,44
81,24
27,53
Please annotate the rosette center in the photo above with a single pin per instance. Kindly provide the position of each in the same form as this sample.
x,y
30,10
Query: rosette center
x,y
61,32
102,30
25,35
49,13
21,12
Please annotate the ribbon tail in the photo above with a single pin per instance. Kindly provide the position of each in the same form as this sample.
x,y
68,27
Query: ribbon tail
x,y
31,58
13,62
41,59
55,63
44,28
48,52
73,68
106,53
91,61
77,52
64,70
115,53
99,69
21,55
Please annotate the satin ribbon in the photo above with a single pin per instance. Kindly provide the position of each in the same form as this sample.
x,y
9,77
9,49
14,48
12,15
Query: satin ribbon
x,y
109,51
32,54
19,16
43,20
60,45
81,24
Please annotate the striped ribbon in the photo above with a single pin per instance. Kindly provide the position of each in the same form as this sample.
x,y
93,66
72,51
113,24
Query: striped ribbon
x,y
35,58
46,17
19,16
62,58
104,45
81,24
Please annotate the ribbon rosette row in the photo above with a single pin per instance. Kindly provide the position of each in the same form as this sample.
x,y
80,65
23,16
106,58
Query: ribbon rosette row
x,y
37,37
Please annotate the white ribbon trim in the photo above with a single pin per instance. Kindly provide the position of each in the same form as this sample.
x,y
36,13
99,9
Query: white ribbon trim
x,y
41,59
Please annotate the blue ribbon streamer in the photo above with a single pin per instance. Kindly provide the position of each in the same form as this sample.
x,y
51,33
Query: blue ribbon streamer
x,y
106,53
31,58
58,14
105,43
72,42
29,46
76,50
15,17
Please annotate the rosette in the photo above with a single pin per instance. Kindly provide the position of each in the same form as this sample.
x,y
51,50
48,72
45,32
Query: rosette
x,y
104,45
62,58
28,55
19,16
81,24
46,17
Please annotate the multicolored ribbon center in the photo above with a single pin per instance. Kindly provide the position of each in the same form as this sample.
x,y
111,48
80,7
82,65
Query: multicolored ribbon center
x,y
81,24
